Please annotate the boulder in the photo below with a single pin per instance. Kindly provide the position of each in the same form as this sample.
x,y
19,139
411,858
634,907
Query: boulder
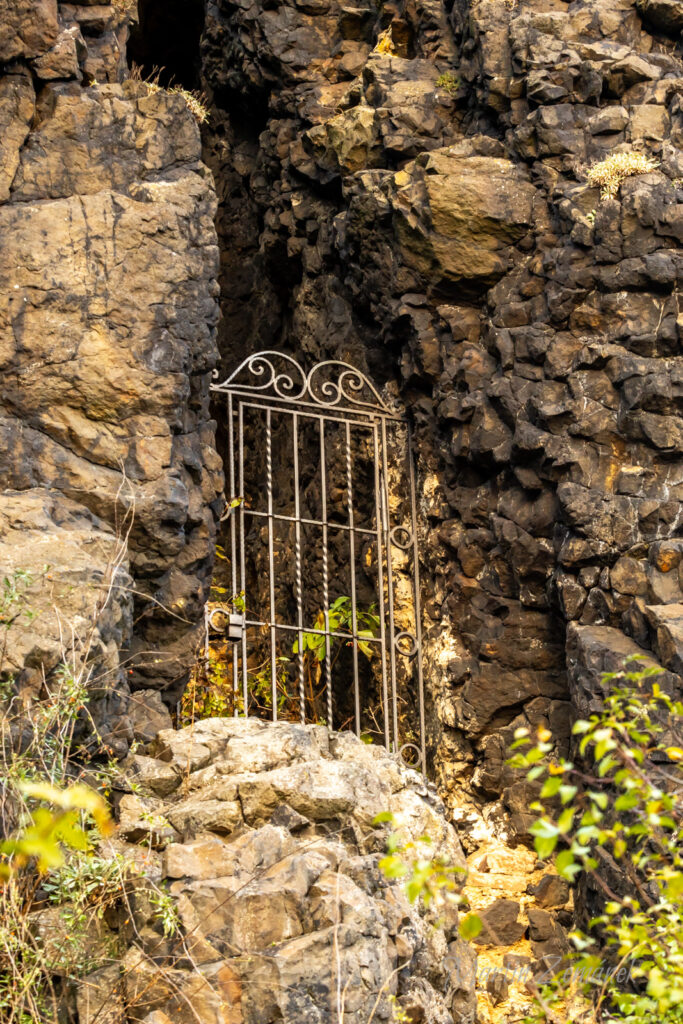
x,y
28,28
274,921
500,924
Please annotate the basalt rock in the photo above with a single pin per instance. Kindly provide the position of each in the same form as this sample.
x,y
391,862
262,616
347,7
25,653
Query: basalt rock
x,y
67,605
407,189
107,322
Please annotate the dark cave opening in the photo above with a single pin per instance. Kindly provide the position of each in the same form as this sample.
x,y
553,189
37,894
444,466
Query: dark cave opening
x,y
165,41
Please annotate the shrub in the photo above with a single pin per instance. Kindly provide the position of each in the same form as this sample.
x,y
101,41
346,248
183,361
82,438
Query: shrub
x,y
621,809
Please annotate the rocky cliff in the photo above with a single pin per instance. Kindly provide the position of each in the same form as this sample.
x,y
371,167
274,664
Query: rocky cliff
x,y
108,314
408,187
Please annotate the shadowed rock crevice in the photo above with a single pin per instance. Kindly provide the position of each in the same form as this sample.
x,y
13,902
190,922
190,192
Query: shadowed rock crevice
x,y
165,37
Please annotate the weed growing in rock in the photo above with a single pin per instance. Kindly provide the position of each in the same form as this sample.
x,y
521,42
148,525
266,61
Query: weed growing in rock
x,y
166,911
611,173
196,101
616,818
427,878
449,82
57,883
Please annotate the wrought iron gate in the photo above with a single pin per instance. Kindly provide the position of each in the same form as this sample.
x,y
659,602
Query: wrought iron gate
x,y
322,552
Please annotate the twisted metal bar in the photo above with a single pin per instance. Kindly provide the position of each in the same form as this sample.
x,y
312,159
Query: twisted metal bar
x,y
326,585
299,577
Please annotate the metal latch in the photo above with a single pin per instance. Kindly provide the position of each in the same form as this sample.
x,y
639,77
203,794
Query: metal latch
x,y
229,623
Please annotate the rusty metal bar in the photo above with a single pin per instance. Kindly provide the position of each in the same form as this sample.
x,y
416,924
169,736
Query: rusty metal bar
x,y
338,414
416,598
309,629
381,541
243,569
278,517
390,591
233,554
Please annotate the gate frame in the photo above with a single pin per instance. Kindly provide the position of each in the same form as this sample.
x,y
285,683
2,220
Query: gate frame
x,y
349,398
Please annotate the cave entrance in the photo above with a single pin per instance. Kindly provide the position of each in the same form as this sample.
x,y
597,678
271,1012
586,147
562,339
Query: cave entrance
x,y
316,617
164,41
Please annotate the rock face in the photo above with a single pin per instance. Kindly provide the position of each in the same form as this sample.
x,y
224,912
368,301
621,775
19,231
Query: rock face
x,y
67,598
407,188
265,841
107,321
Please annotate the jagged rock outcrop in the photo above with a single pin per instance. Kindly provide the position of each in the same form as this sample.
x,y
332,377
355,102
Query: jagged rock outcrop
x,y
107,319
263,834
407,188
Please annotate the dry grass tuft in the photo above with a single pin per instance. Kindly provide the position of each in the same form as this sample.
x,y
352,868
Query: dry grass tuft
x,y
610,173
196,101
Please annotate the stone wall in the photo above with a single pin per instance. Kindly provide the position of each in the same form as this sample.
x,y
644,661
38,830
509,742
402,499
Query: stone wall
x,y
406,188
108,314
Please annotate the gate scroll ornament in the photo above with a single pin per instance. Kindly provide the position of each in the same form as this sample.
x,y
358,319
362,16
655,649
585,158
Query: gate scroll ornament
x,y
272,405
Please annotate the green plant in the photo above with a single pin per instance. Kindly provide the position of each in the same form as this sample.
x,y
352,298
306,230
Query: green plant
x,y
43,838
449,82
49,815
621,808
211,691
426,878
338,619
166,911
610,173
84,881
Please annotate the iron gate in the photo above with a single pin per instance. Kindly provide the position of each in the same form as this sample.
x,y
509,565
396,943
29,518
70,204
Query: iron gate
x,y
322,552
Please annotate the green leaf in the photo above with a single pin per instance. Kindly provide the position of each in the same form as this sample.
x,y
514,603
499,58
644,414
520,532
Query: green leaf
x,y
551,786
393,867
470,927
566,820
545,846
619,848
566,866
